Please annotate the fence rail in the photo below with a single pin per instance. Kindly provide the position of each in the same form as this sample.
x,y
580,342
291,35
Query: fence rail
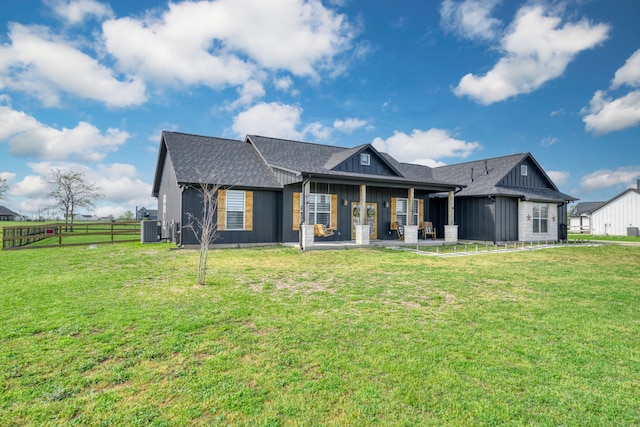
x,y
59,234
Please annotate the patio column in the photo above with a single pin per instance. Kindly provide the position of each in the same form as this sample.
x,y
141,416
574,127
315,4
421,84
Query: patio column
x,y
450,230
362,229
411,229
306,229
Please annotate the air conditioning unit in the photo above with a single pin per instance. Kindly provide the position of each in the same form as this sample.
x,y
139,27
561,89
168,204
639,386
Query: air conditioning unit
x,y
149,231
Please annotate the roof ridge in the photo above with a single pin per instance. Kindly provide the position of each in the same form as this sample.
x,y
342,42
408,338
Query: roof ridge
x,y
202,136
485,160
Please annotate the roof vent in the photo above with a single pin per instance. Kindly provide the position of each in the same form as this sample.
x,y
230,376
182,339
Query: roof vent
x,y
486,168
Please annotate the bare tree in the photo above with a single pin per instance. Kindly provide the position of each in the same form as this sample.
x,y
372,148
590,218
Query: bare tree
x,y
71,190
205,227
4,187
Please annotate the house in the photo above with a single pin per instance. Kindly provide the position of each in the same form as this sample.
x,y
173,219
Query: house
x,y
580,216
274,191
508,198
619,216
8,215
149,214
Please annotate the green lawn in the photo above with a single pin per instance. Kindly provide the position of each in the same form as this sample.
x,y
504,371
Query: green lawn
x,y
121,335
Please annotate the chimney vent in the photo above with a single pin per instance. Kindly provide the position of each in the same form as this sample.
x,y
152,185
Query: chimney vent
x,y
638,183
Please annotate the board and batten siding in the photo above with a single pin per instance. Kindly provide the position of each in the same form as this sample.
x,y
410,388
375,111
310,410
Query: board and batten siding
x,y
376,166
533,179
264,226
617,215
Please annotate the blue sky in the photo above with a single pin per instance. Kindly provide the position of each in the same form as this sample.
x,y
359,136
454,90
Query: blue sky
x,y
89,85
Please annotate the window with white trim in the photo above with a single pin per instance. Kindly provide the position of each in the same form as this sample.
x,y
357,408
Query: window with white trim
x,y
401,211
319,209
540,218
235,210
524,170
365,159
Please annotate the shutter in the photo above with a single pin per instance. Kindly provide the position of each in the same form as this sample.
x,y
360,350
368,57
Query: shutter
x,y
420,211
222,210
296,211
394,217
334,211
248,210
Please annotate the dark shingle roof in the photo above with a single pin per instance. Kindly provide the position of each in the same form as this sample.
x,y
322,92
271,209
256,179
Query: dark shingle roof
x,y
305,157
7,212
585,208
482,177
234,163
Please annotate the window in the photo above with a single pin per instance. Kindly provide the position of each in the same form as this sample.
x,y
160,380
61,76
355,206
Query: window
x,y
365,159
235,210
523,170
320,209
540,218
401,211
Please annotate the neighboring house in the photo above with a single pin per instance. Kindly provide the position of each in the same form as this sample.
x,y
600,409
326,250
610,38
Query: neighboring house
x,y
266,184
8,215
85,217
507,198
580,216
619,216
144,213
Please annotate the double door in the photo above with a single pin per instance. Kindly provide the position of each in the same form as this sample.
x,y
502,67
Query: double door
x,y
370,213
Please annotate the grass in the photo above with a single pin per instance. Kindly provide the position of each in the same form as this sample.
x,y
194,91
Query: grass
x,y
121,335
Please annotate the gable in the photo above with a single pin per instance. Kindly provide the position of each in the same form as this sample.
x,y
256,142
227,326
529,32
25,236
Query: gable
x,y
532,177
355,163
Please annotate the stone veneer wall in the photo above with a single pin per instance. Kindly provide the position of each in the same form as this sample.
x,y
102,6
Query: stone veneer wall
x,y
525,223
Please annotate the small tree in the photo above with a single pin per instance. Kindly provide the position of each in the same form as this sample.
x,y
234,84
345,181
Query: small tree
x,y
205,227
128,216
71,190
4,187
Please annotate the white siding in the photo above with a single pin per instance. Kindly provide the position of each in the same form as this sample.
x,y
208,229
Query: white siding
x,y
614,217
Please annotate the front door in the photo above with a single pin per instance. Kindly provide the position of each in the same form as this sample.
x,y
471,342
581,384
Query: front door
x,y
372,218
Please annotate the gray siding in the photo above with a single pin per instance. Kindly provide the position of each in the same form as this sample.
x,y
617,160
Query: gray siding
x,y
376,167
172,220
533,179
506,219
266,211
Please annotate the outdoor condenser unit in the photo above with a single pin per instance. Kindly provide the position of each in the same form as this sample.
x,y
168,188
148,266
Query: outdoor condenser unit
x,y
149,232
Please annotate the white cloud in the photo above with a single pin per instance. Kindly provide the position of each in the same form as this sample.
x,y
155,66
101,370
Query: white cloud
x,y
273,119
424,147
31,186
606,114
249,92
28,137
226,42
470,19
605,178
536,49
629,73
559,177
348,125
283,83
76,11
548,141
43,65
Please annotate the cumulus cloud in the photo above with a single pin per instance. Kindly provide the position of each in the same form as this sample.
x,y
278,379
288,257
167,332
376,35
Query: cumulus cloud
x,y
43,65
248,93
120,184
605,178
29,138
608,114
211,43
76,11
536,48
283,121
470,19
425,147
559,177
349,125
